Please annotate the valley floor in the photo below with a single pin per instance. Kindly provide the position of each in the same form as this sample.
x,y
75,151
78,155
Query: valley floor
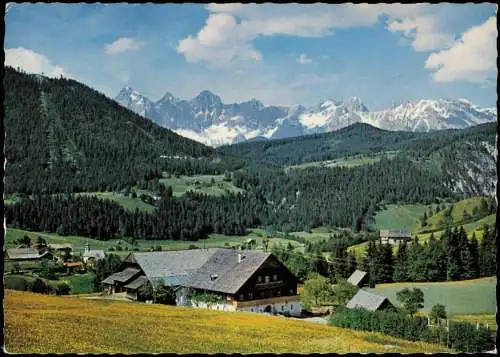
x,y
96,326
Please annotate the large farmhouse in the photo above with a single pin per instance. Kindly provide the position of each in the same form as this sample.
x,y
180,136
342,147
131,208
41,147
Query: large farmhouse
x,y
240,280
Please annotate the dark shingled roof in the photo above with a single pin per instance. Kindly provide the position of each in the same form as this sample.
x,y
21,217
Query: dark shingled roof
x,y
395,233
214,269
176,263
109,280
24,253
356,277
366,300
121,276
230,275
137,283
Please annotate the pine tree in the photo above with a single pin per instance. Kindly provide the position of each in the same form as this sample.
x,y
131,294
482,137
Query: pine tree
x,y
370,263
386,262
401,263
338,264
352,263
473,263
436,260
488,252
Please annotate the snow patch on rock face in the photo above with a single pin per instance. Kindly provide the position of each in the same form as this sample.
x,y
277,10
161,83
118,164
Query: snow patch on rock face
x,y
206,119
477,174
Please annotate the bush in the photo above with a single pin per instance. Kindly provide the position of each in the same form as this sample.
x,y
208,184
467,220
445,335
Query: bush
x,y
38,286
192,246
462,336
119,248
16,283
63,288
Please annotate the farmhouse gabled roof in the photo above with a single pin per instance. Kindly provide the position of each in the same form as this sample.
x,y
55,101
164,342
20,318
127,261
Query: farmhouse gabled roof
x,y
395,233
122,276
137,283
366,300
356,277
24,253
224,273
172,266
215,269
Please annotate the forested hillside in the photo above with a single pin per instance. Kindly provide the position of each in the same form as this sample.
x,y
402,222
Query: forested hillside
x,y
358,138
64,136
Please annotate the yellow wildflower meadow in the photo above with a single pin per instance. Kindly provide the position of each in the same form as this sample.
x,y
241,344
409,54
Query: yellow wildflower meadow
x,y
37,323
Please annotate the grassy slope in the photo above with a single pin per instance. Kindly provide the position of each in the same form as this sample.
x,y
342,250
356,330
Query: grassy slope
x,y
401,217
457,212
407,217
121,327
461,297
80,283
348,161
185,183
214,241
489,319
128,203
77,241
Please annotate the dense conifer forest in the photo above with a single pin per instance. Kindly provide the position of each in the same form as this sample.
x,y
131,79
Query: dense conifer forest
x,y
63,137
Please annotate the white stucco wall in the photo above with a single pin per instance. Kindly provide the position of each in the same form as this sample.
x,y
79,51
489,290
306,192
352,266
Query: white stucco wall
x,y
221,307
294,307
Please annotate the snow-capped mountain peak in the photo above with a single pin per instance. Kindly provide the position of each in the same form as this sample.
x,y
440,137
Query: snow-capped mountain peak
x,y
207,119
132,99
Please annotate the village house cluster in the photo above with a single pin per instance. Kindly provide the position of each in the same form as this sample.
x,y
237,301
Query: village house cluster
x,y
61,253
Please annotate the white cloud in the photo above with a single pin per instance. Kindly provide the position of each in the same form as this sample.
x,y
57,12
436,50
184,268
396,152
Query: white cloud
x,y
472,58
230,28
303,59
423,31
123,44
33,62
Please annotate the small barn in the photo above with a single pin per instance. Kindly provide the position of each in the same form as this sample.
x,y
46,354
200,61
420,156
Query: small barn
x,y
359,278
394,236
26,254
72,267
117,282
369,301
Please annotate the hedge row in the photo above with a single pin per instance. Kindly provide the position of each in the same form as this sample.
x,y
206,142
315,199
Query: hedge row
x,y
461,336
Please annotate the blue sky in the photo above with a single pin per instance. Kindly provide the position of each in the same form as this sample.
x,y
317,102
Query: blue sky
x,y
280,54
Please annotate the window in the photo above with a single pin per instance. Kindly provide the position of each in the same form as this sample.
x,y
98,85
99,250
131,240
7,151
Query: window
x,y
278,292
282,308
259,279
291,306
275,277
261,294
267,278
291,291
250,296
251,309
242,297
